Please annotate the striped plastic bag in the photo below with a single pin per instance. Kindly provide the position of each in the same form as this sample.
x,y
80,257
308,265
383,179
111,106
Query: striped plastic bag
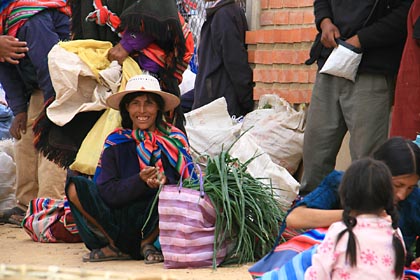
x,y
187,221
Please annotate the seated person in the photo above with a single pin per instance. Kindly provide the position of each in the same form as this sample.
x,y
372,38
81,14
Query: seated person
x,y
368,233
321,207
115,213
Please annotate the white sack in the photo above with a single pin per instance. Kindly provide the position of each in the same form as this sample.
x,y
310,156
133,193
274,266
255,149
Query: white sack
x,y
7,175
210,128
284,185
278,131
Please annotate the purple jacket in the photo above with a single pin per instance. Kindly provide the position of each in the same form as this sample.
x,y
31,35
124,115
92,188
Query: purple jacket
x,y
136,41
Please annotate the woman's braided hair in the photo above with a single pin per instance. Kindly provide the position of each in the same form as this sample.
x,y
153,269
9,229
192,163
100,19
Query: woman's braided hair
x,y
366,187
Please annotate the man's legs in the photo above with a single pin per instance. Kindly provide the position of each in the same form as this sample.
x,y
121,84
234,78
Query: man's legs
x,y
26,156
35,175
366,109
324,131
337,104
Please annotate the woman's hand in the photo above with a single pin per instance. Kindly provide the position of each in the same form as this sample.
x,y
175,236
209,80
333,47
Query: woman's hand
x,y
330,32
117,53
153,178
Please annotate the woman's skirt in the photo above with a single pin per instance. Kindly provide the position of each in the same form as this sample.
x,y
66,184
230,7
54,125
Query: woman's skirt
x,y
123,225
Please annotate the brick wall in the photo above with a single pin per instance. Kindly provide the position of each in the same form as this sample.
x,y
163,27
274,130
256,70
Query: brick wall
x,y
278,46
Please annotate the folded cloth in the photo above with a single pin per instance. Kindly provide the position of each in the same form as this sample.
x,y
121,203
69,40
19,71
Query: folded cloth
x,y
82,77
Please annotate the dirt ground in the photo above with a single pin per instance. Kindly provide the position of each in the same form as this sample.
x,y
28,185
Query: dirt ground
x,y
19,255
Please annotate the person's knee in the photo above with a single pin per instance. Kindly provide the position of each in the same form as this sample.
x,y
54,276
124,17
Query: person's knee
x,y
72,193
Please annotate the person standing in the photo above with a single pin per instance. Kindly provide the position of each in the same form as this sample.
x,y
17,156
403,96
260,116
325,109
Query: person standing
x,y
223,69
406,113
362,107
41,24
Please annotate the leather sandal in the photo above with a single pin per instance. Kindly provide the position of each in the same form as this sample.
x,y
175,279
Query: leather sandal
x,y
151,254
97,255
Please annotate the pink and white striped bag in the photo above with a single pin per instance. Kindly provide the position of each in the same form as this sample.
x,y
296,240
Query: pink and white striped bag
x,y
187,221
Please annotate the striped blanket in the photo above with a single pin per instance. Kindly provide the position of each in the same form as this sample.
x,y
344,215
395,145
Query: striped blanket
x,y
50,220
13,14
289,260
284,252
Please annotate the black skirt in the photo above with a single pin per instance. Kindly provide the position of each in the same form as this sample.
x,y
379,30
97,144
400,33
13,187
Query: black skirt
x,y
123,225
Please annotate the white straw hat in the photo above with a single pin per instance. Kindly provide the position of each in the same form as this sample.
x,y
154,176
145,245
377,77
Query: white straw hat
x,y
143,83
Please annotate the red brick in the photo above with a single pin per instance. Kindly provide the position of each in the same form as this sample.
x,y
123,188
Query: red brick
x,y
296,17
264,4
293,96
301,75
250,37
308,17
267,17
281,17
308,34
251,56
297,3
275,3
296,35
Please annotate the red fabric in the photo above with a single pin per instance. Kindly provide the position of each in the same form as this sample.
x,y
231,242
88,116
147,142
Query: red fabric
x,y
155,53
406,113
101,16
13,16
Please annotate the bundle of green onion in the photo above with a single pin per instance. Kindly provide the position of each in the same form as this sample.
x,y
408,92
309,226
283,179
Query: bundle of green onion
x,y
249,214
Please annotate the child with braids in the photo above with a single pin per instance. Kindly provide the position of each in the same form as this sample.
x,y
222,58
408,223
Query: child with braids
x,y
367,243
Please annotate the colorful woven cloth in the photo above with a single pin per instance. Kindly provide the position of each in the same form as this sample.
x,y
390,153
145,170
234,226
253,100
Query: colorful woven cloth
x,y
284,252
161,16
289,260
13,14
172,142
50,220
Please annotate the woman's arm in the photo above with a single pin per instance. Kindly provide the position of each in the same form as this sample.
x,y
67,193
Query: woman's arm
x,y
131,41
119,181
303,217
320,208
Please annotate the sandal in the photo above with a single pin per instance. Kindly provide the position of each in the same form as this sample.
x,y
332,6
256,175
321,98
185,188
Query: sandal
x,y
13,215
97,255
151,254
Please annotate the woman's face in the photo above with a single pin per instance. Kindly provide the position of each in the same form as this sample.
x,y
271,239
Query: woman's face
x,y
143,111
404,185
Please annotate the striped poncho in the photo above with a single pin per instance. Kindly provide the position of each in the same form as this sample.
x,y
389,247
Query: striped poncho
x,y
14,13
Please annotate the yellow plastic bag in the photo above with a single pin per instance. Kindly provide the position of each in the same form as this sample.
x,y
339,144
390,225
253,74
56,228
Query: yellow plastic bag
x,y
88,155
